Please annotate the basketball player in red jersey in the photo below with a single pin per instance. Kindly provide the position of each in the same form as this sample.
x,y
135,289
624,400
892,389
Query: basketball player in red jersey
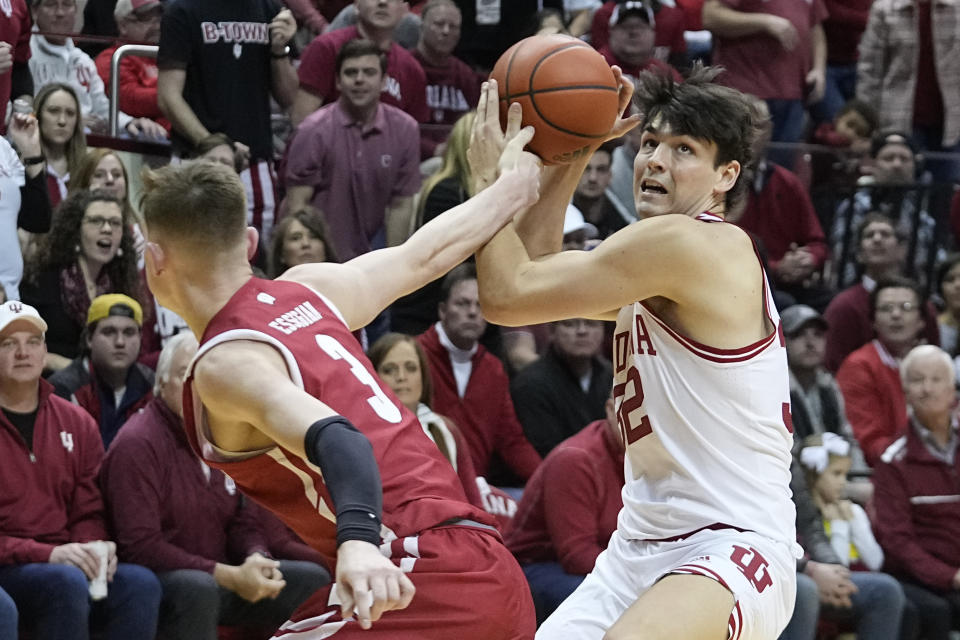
x,y
281,397
705,544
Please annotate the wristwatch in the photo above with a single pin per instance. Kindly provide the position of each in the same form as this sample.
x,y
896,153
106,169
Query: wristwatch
x,y
285,54
29,160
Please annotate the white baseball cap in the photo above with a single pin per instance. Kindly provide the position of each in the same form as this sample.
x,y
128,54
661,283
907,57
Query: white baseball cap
x,y
573,221
14,310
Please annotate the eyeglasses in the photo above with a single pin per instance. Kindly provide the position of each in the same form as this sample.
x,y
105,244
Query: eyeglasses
x,y
99,221
890,307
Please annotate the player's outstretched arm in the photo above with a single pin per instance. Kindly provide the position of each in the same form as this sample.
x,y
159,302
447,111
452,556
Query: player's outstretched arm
x,y
654,257
366,285
252,403
541,226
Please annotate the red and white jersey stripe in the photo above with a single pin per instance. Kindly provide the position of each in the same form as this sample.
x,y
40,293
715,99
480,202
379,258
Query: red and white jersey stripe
x,y
708,430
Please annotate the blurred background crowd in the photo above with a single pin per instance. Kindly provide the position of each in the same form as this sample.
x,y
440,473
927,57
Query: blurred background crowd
x,y
348,123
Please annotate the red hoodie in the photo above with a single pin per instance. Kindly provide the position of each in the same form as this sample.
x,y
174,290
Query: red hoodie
x,y
50,496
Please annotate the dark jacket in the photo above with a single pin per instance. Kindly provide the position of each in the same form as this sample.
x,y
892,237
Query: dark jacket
x,y
78,383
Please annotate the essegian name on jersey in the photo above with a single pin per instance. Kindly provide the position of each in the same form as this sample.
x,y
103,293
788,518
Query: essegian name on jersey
x,y
302,315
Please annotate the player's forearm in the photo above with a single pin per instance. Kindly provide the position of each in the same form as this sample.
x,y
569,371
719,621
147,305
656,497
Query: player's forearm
x,y
730,23
450,238
498,269
540,227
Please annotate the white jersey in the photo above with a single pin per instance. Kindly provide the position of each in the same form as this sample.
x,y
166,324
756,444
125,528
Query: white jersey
x,y
708,430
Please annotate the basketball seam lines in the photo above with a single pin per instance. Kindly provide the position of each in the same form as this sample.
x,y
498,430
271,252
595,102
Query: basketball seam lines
x,y
531,91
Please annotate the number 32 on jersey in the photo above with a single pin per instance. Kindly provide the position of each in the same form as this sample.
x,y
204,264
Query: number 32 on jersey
x,y
628,395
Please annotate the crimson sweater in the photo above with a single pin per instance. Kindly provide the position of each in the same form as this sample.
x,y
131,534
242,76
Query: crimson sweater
x,y
845,23
570,505
917,520
49,497
168,512
485,414
137,85
782,214
848,316
873,396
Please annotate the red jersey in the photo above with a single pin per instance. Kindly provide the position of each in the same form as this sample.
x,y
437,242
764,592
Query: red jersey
x,y
420,487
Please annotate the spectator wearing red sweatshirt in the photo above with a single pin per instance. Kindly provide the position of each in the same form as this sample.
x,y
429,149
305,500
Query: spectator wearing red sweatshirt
x,y
212,551
470,385
138,21
51,509
870,379
568,512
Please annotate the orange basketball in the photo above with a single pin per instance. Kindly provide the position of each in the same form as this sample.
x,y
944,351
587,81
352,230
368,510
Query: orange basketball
x,y
567,91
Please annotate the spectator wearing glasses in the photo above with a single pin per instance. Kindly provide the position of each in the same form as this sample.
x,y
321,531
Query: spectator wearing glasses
x,y
870,376
88,252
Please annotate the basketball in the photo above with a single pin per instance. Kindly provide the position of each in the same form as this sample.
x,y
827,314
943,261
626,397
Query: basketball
x,y
567,90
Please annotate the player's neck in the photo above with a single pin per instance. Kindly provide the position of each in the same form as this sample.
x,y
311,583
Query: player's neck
x,y
203,296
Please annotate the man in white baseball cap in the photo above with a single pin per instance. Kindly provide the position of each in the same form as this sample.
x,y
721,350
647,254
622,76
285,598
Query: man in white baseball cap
x,y
52,512
15,315
576,231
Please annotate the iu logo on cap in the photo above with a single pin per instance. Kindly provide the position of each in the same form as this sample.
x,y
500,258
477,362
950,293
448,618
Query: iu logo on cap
x,y
16,307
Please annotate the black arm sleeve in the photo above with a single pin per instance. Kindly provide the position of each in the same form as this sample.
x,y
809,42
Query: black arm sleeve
x,y
345,458
35,211
21,81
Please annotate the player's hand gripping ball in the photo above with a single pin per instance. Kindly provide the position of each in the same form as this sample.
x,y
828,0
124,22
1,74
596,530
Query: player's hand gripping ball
x,y
567,90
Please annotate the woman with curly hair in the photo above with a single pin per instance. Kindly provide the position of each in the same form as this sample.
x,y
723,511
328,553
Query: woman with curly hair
x,y
299,238
88,252
61,136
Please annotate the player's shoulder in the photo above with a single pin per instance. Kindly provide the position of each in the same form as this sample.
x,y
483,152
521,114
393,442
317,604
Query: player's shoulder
x,y
223,365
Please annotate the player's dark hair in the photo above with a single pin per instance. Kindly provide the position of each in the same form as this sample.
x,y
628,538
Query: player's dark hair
x,y
895,282
199,203
465,271
378,352
704,110
359,48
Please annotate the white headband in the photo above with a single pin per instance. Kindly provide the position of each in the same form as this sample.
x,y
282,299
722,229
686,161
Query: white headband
x,y
817,457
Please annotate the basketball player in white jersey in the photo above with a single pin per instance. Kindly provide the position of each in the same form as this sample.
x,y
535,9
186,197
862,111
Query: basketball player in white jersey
x,y
705,545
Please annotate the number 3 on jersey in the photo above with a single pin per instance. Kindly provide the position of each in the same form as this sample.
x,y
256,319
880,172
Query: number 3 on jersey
x,y
628,397
379,400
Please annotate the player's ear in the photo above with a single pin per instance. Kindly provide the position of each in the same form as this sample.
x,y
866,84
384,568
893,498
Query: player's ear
x,y
253,242
154,258
728,176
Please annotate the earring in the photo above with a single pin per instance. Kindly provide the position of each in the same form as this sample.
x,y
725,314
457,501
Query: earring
x,y
119,252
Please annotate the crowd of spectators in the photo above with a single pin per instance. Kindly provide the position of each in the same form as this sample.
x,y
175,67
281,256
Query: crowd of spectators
x,y
349,123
